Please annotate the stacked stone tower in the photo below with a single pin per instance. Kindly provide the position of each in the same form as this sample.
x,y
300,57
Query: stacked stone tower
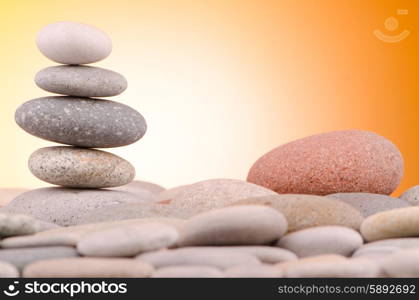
x,y
77,119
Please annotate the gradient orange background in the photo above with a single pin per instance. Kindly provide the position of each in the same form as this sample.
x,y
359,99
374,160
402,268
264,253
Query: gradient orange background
x,y
222,82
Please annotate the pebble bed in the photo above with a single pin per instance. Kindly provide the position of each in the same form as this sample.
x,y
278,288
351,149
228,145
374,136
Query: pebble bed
x,y
319,206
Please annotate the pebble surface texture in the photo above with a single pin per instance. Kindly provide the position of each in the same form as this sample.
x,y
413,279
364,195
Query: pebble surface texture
x,y
138,185
411,195
8,270
11,225
402,264
214,257
189,200
88,267
127,211
401,222
21,257
81,81
225,226
65,207
303,211
262,271
340,268
92,123
80,168
127,240
188,272
334,162
369,204
73,43
322,240
386,246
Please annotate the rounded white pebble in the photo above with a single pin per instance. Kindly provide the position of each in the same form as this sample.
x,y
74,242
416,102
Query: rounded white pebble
x,y
73,43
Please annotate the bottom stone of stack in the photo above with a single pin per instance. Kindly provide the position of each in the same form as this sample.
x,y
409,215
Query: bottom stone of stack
x,y
80,168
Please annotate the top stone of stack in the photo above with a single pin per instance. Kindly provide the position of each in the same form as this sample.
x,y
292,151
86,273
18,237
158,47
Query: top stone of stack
x,y
73,43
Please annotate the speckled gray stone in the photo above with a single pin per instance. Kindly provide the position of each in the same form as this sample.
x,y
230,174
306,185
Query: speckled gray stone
x,y
81,81
23,256
80,168
127,211
13,225
369,204
66,207
411,195
84,122
141,185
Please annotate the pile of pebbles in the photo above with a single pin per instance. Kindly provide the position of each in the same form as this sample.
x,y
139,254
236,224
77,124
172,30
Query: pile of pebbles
x,y
316,207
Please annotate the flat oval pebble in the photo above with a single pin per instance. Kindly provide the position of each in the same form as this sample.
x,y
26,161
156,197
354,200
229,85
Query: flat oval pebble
x,y
322,240
73,43
127,211
88,267
303,211
411,195
83,122
81,81
23,256
15,224
217,258
80,168
65,206
235,225
403,263
369,204
188,272
8,270
262,271
189,200
333,268
401,222
333,162
128,240
41,240
266,254
396,244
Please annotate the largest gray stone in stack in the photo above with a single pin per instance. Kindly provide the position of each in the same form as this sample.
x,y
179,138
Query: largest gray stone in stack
x,y
76,119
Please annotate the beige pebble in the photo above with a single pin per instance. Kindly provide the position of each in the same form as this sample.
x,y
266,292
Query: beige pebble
x,y
404,263
189,200
235,225
266,254
69,236
262,271
88,267
128,240
38,240
17,224
23,256
322,240
188,272
303,211
401,222
217,258
332,268
7,270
